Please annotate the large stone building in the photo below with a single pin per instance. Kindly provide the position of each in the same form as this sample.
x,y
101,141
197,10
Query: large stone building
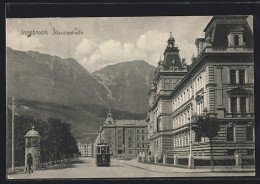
x,y
126,138
86,146
220,81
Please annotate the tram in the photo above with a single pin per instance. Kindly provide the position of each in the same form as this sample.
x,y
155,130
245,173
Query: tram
x,y
102,154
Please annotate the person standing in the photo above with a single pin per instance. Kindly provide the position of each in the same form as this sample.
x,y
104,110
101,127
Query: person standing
x,y
29,162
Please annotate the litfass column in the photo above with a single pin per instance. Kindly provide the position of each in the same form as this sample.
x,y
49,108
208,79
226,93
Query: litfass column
x,y
32,145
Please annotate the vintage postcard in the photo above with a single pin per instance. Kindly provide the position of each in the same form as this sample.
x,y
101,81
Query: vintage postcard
x,y
130,97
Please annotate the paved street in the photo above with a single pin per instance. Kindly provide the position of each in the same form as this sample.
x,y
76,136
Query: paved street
x,y
86,168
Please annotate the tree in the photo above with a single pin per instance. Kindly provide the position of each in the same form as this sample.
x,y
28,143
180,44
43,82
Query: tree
x,y
206,126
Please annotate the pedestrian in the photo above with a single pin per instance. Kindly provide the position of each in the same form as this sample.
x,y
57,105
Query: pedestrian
x,y
29,162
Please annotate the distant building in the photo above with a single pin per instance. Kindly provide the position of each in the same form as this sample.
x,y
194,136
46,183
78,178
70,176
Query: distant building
x,y
220,80
126,138
86,147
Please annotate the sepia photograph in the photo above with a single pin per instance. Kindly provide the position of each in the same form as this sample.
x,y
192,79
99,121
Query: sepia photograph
x,y
130,97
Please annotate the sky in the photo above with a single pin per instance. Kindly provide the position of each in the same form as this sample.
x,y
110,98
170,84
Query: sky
x,y
108,40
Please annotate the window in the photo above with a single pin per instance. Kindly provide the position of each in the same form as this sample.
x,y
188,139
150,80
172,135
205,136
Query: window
x,y
230,152
103,150
250,152
129,138
138,145
130,144
242,76
230,133
233,76
158,124
236,40
243,104
137,131
142,131
138,138
234,105
249,133
119,151
171,86
129,152
143,137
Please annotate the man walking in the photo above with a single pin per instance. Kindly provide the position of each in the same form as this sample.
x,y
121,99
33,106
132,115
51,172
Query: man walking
x,y
29,162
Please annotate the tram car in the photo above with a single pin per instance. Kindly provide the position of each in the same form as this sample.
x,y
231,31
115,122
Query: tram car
x,y
102,154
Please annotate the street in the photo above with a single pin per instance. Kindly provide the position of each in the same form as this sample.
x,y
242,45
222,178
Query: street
x,y
86,168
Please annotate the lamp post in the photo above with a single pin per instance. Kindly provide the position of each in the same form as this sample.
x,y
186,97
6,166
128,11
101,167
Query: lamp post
x,y
13,134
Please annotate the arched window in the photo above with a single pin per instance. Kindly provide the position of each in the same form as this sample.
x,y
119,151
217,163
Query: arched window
x,y
236,40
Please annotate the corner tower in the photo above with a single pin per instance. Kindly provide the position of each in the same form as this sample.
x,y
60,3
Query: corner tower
x,y
168,74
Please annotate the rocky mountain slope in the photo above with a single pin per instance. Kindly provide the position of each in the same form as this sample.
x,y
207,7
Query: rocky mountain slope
x,y
128,84
42,77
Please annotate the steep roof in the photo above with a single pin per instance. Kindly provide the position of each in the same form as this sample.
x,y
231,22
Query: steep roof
x,y
220,26
221,17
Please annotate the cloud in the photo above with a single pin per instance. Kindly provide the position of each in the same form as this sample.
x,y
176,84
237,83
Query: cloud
x,y
108,52
148,46
22,42
86,47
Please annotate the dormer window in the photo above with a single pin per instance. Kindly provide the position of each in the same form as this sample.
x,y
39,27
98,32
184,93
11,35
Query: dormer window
x,y
235,37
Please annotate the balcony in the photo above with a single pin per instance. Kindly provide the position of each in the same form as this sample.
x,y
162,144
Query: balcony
x,y
239,115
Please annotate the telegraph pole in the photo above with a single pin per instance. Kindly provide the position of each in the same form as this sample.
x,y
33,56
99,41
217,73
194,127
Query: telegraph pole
x,y
13,134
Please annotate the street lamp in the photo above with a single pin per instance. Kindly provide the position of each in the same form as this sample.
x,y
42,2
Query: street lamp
x,y
13,134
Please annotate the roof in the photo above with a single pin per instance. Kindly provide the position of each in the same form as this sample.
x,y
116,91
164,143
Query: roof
x,y
173,60
86,140
131,123
223,25
219,17
171,39
32,133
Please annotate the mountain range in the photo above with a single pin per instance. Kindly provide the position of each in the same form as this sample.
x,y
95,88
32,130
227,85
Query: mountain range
x,y
61,87
35,76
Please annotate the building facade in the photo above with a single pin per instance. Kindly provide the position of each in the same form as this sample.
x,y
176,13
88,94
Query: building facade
x,y
126,138
220,81
86,147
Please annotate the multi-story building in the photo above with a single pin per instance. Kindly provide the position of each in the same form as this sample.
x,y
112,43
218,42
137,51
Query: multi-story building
x,y
86,147
220,81
126,138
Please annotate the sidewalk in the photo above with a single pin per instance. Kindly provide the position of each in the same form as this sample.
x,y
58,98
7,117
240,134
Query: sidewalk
x,y
62,165
175,169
